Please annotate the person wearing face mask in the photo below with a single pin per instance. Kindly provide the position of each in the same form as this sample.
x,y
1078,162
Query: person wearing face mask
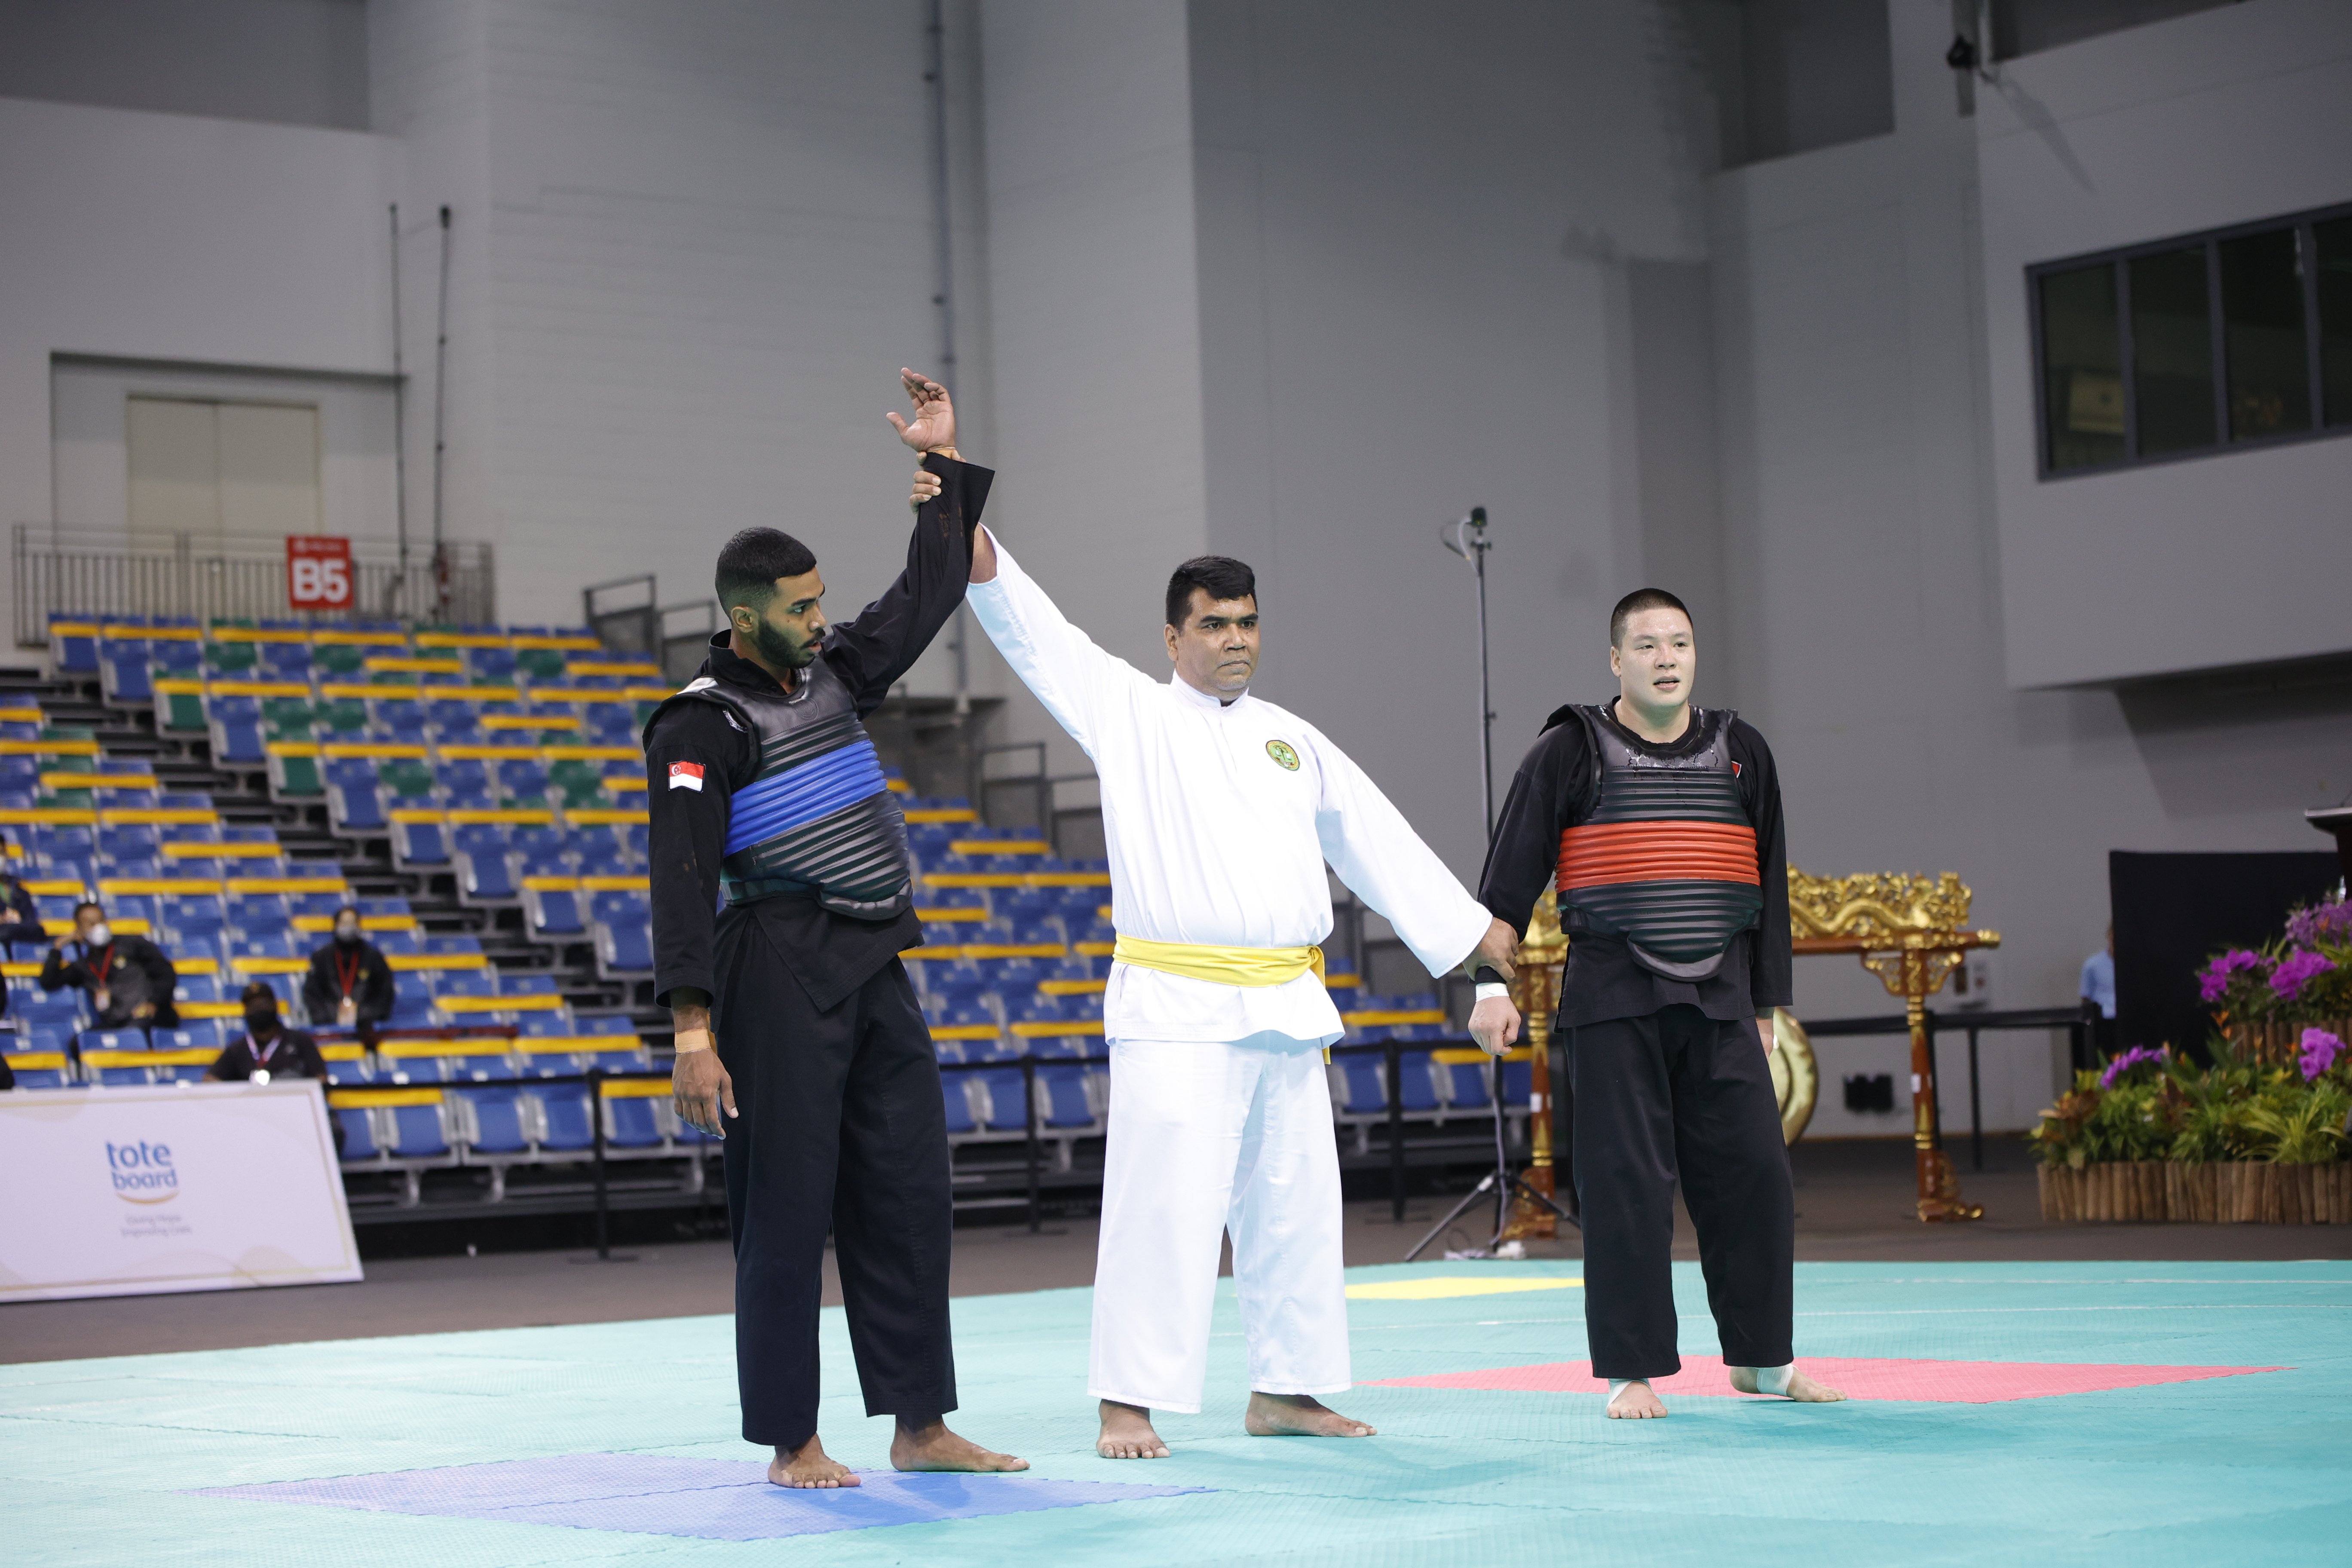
x,y
129,980
268,1049
349,985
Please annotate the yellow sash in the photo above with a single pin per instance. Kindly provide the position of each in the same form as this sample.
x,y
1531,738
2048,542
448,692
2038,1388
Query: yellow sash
x,y
1221,965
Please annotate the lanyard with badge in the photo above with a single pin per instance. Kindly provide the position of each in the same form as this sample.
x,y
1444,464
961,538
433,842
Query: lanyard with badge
x,y
347,1011
100,997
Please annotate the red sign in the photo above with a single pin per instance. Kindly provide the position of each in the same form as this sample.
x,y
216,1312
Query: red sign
x,y
317,572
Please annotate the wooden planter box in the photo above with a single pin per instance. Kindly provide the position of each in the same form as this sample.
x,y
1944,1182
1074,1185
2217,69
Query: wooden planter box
x,y
2277,1044
2229,1194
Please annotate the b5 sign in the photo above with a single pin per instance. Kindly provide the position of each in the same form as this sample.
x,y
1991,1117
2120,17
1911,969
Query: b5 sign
x,y
317,572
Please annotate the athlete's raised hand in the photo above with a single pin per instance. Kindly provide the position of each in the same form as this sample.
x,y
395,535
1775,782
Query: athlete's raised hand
x,y
933,427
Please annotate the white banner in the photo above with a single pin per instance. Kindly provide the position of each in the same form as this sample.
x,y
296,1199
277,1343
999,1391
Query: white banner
x,y
132,1192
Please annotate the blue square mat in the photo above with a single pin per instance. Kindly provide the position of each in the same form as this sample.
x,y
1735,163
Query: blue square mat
x,y
716,1500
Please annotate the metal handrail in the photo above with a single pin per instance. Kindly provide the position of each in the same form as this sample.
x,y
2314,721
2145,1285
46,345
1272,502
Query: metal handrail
x,y
101,573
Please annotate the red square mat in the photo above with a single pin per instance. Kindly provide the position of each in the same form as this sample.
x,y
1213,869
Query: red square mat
x,y
1862,1377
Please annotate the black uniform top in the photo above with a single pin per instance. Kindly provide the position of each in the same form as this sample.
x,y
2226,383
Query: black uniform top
x,y
372,983
135,971
1551,794
830,955
293,1054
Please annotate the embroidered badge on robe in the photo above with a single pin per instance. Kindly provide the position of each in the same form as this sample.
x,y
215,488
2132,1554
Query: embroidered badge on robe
x,y
1281,752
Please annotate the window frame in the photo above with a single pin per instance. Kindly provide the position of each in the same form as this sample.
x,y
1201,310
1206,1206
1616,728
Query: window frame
x,y
2304,224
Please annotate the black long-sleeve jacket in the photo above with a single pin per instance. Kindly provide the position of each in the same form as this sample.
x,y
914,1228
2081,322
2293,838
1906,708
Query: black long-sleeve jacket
x,y
131,969
1551,793
373,987
830,955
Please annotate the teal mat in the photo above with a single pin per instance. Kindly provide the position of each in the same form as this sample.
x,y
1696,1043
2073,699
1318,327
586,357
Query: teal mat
x,y
97,1458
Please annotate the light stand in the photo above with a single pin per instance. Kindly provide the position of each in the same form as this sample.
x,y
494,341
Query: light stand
x,y
1467,537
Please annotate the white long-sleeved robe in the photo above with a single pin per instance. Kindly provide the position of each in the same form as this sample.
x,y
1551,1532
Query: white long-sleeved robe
x,y
1213,838
1219,817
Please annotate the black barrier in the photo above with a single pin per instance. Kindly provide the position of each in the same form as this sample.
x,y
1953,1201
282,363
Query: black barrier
x,y
1391,1051
2071,1019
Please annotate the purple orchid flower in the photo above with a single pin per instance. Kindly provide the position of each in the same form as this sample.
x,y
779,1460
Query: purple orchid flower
x,y
2296,970
2214,980
2136,1057
2320,1050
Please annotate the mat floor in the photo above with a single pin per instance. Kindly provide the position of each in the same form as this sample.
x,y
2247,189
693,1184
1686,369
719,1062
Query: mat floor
x,y
2050,1413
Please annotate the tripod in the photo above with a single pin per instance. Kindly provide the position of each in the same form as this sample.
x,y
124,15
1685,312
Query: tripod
x,y
1502,1181
1467,537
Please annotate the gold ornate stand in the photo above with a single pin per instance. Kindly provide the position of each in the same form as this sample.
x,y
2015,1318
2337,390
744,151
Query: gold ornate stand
x,y
1536,991
1910,932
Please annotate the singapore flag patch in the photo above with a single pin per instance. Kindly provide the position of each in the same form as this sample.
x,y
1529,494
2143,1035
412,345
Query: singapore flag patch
x,y
686,776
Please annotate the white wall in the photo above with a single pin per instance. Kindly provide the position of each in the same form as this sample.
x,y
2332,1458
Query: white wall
x,y
1413,233
161,237
88,412
694,244
1867,569
301,62
2224,117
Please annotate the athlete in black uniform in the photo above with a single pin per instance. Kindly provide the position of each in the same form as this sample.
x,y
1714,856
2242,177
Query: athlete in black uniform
x,y
765,789
1660,824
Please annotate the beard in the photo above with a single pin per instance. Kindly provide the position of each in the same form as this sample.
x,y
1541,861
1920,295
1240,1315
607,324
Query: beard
x,y
777,648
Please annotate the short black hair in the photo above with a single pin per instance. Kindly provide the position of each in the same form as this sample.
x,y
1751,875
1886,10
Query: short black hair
x,y
254,990
750,564
1642,599
89,904
1219,576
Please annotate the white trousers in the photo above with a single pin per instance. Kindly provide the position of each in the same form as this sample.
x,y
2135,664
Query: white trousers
x,y
1208,1138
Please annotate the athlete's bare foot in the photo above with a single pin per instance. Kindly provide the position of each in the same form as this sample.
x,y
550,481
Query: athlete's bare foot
x,y
807,1466
1636,1402
1801,1389
930,1445
1126,1433
1298,1415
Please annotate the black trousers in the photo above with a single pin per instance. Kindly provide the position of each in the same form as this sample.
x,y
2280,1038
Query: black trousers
x,y
1680,1094
840,1125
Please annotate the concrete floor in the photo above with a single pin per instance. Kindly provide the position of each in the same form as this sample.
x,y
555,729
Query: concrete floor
x,y
1853,1205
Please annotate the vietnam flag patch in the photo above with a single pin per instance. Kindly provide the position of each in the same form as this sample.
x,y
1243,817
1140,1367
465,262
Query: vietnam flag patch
x,y
686,776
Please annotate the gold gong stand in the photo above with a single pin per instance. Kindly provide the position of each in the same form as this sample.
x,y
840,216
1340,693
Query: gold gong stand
x,y
1911,932
1796,1077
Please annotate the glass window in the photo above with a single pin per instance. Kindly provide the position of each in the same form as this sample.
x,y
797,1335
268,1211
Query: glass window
x,y
2262,316
2172,352
2081,367
2335,262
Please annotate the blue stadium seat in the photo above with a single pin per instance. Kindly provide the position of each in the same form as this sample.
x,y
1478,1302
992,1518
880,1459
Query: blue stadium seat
x,y
552,913
354,799
419,843
359,1135
564,1109
954,1087
419,1132
498,1125
632,1122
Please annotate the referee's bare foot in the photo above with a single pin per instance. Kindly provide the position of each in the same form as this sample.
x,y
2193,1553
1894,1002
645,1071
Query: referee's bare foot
x,y
930,1445
1637,1402
1801,1389
1126,1433
1298,1415
807,1466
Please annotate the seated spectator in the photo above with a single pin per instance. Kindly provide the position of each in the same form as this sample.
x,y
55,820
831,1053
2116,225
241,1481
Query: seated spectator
x,y
129,980
269,1049
23,923
348,980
